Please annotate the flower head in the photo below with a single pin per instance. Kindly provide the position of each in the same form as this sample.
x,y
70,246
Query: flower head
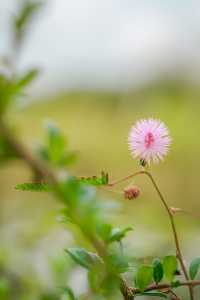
x,y
149,140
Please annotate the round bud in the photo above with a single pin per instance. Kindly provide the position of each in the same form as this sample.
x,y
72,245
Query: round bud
x,y
131,192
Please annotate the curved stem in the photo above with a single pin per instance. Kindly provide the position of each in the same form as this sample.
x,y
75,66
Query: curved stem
x,y
171,217
125,178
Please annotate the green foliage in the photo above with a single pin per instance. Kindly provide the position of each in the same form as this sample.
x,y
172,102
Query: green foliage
x,y
33,187
83,257
157,270
175,283
144,276
109,286
4,288
95,180
55,149
13,88
8,90
6,152
116,263
104,231
118,234
102,275
81,205
109,234
27,78
23,18
153,294
68,294
194,267
170,266
100,280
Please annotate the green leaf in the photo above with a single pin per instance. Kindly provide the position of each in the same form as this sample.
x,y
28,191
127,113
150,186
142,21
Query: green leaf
x,y
169,266
96,276
144,276
176,284
27,78
8,92
157,270
95,180
117,234
104,231
109,286
55,150
194,267
56,143
33,187
12,88
68,292
116,263
153,294
25,14
83,257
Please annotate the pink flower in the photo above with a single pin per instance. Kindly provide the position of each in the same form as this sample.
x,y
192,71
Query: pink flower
x,y
149,140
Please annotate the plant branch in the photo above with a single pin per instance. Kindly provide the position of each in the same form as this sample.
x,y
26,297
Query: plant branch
x,y
162,286
171,217
44,172
37,166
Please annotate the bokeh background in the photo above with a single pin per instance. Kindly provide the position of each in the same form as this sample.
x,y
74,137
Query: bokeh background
x,y
103,65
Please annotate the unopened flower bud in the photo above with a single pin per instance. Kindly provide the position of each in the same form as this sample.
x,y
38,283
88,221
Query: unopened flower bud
x,y
143,162
131,192
175,210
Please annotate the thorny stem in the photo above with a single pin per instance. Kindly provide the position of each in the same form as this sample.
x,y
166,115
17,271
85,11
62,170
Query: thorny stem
x,y
171,217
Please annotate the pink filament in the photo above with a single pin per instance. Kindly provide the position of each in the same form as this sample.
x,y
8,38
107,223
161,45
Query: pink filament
x,y
149,140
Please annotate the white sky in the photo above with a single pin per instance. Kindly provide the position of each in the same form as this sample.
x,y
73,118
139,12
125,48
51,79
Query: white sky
x,y
109,43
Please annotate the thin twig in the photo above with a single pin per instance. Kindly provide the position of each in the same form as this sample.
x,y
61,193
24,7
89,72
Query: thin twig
x,y
171,217
163,286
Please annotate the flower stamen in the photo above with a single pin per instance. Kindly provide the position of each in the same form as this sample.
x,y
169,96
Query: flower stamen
x,y
149,140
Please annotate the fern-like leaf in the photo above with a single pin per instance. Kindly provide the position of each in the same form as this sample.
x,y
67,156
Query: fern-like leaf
x,y
96,180
32,186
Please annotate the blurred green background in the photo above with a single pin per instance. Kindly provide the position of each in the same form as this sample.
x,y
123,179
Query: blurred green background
x,y
96,119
